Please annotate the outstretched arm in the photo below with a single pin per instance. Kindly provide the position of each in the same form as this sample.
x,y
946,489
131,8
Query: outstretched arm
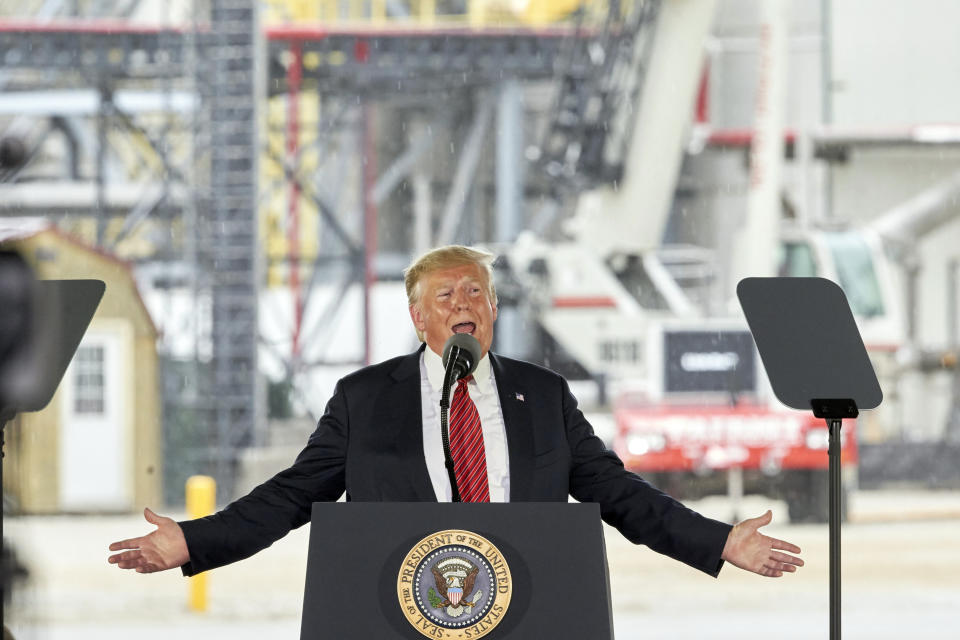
x,y
750,550
165,548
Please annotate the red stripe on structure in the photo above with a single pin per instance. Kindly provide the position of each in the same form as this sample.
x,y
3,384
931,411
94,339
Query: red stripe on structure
x,y
584,302
84,25
318,31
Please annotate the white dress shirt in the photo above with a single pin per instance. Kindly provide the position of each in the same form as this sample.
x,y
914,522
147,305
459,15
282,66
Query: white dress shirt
x,y
483,392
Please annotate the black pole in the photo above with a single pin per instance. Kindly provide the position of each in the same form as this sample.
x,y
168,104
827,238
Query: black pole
x,y
6,580
835,484
449,377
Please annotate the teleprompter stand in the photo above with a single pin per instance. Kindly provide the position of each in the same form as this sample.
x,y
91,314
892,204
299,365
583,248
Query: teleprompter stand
x,y
52,316
815,360
555,552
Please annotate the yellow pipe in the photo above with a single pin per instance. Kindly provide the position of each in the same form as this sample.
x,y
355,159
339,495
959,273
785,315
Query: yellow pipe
x,y
303,10
201,501
330,11
476,13
427,12
378,11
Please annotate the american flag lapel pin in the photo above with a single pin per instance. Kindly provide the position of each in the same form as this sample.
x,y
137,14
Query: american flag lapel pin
x,y
520,397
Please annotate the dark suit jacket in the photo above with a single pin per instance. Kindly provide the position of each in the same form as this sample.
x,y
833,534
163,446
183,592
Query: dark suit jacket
x,y
369,443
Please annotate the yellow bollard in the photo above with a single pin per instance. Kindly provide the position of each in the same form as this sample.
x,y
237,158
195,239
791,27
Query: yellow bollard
x,y
201,501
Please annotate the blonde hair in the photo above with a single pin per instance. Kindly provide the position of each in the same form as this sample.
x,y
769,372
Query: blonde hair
x,y
447,257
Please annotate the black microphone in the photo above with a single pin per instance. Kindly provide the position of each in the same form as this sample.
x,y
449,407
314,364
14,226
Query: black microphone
x,y
463,351
461,355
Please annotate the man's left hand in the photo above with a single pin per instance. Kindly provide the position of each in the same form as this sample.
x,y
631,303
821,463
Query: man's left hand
x,y
750,550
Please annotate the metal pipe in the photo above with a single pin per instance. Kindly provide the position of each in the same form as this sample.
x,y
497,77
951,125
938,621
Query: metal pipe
x,y
422,198
912,271
465,172
101,169
754,246
826,96
294,76
920,215
369,226
509,209
835,485
953,282
735,491
406,163
952,430
510,161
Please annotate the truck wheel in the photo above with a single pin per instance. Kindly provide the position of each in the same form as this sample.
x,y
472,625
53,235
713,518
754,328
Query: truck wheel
x,y
806,493
660,481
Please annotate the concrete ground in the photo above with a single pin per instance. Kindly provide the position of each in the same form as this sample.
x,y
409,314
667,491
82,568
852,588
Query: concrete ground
x,y
899,571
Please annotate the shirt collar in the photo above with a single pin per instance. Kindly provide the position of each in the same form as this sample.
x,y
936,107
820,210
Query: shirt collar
x,y
434,365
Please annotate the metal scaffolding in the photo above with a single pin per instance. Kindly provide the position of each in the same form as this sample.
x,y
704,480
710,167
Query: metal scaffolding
x,y
462,79
215,66
228,88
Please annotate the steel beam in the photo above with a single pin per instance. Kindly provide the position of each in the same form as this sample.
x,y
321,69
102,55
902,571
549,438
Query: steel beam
x,y
466,171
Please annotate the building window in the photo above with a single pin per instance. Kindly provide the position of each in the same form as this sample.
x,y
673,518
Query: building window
x,y
88,380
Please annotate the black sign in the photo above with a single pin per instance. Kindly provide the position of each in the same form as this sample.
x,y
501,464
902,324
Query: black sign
x,y
701,360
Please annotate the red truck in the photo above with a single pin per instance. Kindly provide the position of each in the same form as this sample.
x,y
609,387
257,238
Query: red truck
x,y
709,418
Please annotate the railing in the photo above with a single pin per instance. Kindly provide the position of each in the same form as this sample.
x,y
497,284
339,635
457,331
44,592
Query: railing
x,y
426,14
412,14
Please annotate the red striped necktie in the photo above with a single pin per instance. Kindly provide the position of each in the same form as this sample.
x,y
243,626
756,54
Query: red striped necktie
x,y
466,446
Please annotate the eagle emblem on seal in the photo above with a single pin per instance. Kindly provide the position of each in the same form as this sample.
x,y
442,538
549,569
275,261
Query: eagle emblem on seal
x,y
455,579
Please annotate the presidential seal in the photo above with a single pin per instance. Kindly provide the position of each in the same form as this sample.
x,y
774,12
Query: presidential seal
x,y
454,585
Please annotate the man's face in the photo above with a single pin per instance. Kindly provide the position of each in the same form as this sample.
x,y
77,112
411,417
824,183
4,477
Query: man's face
x,y
454,300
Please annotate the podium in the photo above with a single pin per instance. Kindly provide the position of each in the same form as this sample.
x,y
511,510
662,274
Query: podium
x,y
456,571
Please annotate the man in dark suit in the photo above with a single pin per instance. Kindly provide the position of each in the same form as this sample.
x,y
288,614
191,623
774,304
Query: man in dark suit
x,y
379,440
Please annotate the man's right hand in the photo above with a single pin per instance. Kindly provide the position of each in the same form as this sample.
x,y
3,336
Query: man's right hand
x,y
165,548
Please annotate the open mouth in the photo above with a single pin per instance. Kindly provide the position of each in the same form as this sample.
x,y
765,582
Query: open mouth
x,y
464,327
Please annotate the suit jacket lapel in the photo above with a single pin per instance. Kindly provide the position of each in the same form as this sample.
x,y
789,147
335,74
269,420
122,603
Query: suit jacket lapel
x,y
409,414
518,422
